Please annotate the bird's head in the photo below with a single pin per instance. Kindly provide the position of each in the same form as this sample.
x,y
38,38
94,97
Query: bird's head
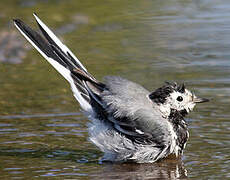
x,y
172,96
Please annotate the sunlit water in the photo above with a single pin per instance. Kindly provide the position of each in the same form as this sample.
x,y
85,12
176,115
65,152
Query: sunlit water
x,y
43,134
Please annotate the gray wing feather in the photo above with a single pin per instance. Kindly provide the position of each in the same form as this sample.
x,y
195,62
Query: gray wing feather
x,y
131,111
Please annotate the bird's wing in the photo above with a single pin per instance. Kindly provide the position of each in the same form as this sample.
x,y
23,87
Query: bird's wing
x,y
133,113
83,84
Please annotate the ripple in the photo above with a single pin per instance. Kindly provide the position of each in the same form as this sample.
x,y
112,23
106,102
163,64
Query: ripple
x,y
38,116
63,125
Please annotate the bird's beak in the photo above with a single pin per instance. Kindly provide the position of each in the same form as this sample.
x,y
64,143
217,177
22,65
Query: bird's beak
x,y
200,100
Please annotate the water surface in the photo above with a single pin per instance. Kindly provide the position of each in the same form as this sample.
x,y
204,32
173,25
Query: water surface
x,y
43,133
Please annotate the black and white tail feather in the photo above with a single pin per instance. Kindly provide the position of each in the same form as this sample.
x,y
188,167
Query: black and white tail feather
x,y
63,60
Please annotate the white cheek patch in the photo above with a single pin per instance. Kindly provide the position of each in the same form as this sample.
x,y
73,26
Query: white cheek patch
x,y
185,104
173,100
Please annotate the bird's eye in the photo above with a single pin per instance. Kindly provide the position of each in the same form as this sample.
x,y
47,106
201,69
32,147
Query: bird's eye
x,y
179,98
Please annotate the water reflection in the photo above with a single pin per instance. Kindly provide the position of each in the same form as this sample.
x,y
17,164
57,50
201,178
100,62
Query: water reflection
x,y
166,169
64,163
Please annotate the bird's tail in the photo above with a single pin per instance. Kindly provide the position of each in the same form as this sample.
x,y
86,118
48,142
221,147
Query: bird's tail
x,y
83,84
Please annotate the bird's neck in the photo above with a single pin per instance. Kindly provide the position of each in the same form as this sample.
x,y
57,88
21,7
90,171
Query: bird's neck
x,y
176,118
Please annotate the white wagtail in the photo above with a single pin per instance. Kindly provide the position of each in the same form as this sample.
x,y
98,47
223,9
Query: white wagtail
x,y
128,123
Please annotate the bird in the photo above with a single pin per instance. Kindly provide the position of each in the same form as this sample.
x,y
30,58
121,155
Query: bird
x,y
128,123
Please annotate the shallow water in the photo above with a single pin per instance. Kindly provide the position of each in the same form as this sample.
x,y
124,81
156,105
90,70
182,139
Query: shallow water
x,y
43,134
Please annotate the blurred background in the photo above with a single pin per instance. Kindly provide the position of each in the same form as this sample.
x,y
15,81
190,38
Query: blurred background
x,y
43,133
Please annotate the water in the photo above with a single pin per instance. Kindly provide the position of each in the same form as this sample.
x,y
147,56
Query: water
x,y
43,134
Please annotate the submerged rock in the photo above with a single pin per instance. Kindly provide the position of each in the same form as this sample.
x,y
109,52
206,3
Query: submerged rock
x,y
12,47
77,20
80,19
